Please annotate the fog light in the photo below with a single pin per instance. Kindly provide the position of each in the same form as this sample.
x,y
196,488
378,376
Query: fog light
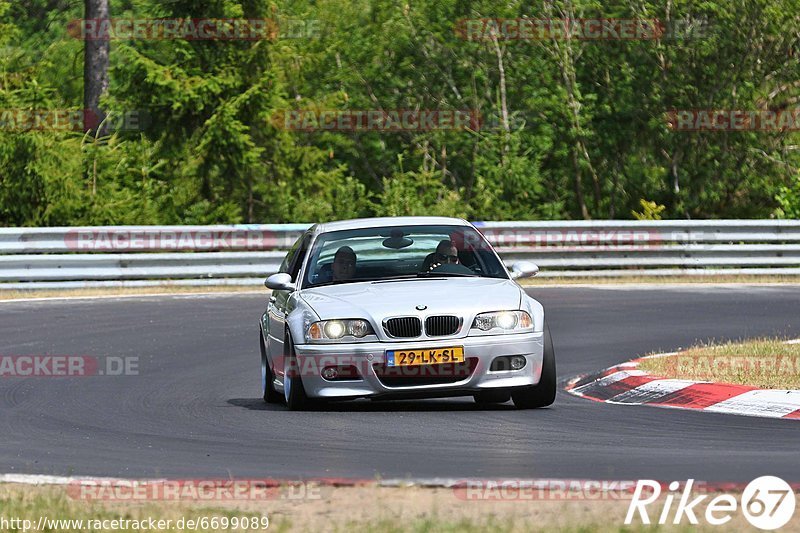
x,y
504,363
340,373
517,362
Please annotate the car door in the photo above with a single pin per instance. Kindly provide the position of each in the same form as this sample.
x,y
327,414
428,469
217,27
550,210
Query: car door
x,y
277,307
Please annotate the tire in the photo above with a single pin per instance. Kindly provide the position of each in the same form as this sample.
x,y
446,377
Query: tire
x,y
544,393
267,378
490,397
293,391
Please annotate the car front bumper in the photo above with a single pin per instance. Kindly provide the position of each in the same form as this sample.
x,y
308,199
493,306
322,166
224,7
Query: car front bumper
x,y
370,358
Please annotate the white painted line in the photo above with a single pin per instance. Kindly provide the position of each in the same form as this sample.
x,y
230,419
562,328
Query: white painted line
x,y
560,484
769,403
651,391
608,380
437,482
421,482
657,355
36,479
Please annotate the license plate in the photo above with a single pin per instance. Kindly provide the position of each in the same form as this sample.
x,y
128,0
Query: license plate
x,y
425,356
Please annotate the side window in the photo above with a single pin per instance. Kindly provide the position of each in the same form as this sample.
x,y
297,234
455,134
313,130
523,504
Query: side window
x,y
299,257
289,259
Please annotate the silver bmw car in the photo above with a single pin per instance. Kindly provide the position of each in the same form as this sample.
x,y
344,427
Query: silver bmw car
x,y
402,307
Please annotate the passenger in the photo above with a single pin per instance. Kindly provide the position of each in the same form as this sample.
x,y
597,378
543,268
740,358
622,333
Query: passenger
x,y
344,264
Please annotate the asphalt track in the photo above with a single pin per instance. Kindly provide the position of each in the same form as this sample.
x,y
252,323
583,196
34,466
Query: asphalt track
x,y
194,409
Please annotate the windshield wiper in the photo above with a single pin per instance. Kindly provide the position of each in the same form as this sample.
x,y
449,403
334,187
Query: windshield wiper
x,y
326,283
446,274
397,277
358,280
393,278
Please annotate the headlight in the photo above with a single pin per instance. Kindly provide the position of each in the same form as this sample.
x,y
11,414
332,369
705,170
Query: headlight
x,y
334,330
504,322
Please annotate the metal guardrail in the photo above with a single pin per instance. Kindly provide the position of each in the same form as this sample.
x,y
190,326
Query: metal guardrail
x,y
246,254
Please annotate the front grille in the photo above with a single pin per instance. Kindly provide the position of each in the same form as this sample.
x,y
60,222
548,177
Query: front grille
x,y
405,327
414,376
439,326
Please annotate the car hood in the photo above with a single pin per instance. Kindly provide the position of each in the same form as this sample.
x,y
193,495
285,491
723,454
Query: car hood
x,y
382,299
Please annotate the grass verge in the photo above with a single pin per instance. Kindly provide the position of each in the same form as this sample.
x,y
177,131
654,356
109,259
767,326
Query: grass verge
x,y
87,293
764,363
346,509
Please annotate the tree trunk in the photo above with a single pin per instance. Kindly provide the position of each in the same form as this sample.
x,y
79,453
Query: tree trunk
x,y
567,59
95,66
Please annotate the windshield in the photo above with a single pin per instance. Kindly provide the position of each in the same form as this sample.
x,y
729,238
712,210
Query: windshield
x,y
374,254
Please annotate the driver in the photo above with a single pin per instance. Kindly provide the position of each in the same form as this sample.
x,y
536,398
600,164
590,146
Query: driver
x,y
344,264
446,252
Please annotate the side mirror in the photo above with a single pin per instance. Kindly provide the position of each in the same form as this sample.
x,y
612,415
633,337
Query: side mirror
x,y
523,269
279,282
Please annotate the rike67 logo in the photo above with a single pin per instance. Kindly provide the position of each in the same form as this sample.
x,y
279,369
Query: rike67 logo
x,y
767,502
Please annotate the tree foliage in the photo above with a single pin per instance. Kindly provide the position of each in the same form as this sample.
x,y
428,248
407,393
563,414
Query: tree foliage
x,y
569,128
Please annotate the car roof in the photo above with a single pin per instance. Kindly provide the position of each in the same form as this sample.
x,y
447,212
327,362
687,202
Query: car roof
x,y
388,222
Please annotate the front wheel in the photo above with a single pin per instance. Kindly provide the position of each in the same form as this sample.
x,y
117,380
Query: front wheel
x,y
267,378
544,393
293,390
